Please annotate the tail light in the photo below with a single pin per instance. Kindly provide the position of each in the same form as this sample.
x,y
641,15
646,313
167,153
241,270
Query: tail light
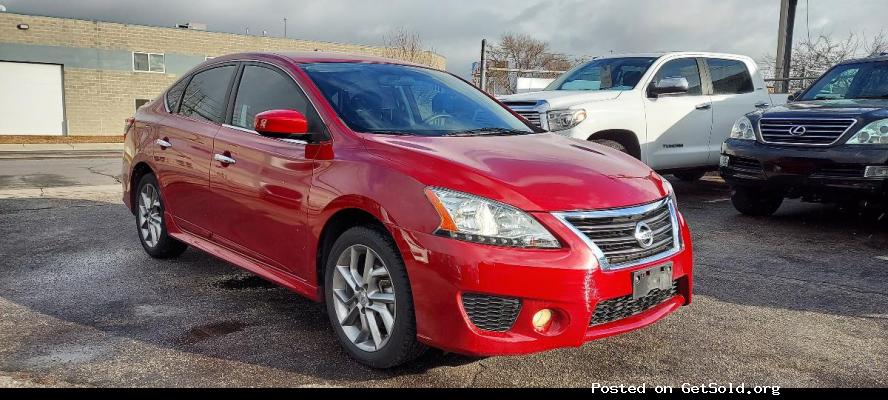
x,y
129,125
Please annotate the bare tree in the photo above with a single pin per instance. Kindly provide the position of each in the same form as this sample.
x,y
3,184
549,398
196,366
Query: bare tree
x,y
812,57
522,52
402,44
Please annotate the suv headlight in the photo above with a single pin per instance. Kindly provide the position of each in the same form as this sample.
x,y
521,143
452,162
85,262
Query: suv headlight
x,y
560,120
874,133
476,219
743,129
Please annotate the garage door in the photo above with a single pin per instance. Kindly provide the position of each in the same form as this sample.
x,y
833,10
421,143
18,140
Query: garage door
x,y
31,99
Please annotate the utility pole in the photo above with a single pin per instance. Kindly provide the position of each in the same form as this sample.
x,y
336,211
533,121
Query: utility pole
x,y
285,27
484,64
784,43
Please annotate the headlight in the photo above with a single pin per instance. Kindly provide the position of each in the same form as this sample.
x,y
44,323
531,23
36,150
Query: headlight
x,y
476,219
560,120
874,133
743,129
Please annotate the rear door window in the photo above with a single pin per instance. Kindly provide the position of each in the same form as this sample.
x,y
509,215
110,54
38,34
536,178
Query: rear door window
x,y
729,76
174,96
205,96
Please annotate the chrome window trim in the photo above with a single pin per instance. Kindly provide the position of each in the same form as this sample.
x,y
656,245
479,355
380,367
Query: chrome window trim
x,y
250,131
677,244
838,138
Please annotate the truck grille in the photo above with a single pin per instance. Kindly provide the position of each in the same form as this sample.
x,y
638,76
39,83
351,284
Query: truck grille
x,y
613,232
624,307
491,313
532,116
804,131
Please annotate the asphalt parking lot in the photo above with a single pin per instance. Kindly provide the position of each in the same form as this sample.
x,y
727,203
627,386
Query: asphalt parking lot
x,y
793,300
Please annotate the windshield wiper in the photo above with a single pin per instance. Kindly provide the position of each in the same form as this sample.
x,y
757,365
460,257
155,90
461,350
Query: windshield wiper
x,y
488,131
384,132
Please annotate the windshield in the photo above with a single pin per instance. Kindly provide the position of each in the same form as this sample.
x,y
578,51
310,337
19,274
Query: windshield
x,y
400,99
864,80
604,74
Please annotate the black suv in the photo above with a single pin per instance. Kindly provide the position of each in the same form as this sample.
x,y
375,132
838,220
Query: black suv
x,y
829,143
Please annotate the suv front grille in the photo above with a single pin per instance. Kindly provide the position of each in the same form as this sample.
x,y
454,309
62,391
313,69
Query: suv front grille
x,y
613,232
624,307
804,131
491,313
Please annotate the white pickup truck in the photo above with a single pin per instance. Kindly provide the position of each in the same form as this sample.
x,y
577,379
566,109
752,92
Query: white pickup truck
x,y
670,110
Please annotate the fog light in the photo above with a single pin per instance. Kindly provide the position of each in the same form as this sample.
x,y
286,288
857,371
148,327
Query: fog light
x,y
541,319
876,172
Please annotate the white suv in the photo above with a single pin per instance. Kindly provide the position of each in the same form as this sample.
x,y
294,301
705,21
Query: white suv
x,y
670,110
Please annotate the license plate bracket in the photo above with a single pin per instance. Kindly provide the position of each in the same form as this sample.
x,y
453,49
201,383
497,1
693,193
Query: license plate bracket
x,y
646,280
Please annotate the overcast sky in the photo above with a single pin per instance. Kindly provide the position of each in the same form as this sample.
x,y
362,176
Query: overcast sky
x,y
455,28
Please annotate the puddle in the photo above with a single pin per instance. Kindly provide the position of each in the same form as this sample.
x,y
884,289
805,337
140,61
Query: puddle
x,y
211,330
244,282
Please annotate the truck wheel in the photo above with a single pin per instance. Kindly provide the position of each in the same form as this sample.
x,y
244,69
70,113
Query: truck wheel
x,y
369,301
612,144
755,202
689,176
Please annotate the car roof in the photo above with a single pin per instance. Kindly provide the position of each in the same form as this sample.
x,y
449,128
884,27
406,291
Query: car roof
x,y
314,57
875,58
675,53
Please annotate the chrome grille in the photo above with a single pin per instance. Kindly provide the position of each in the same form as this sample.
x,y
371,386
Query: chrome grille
x,y
612,233
532,116
803,131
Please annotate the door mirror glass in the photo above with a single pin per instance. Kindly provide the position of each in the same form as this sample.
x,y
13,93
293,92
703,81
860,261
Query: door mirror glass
x,y
668,86
281,123
794,95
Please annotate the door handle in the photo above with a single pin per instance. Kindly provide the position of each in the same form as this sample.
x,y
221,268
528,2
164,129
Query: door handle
x,y
224,159
762,104
704,106
163,143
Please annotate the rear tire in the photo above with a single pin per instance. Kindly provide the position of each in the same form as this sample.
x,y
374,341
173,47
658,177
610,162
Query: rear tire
x,y
755,202
612,144
151,221
363,303
689,176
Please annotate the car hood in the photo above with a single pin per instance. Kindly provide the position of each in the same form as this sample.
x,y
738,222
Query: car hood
x,y
538,172
562,98
848,108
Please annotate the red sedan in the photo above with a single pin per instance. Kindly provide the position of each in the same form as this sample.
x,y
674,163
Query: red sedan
x,y
418,208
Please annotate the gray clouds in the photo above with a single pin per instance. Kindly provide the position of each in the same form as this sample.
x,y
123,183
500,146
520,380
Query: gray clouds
x,y
455,28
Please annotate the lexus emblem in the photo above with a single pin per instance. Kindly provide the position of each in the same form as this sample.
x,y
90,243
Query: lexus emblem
x,y
798,130
644,235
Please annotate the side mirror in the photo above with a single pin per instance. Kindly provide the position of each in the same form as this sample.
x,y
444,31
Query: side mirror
x,y
794,95
668,86
280,123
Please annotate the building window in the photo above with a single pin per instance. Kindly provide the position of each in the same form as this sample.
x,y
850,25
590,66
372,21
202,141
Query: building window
x,y
141,102
148,62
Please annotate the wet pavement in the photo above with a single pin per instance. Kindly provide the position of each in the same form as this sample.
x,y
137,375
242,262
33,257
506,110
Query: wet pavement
x,y
793,300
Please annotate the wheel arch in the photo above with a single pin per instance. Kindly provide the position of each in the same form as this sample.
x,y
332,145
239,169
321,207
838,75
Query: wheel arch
x,y
139,170
623,136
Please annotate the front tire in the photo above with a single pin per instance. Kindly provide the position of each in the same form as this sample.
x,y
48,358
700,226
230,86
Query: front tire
x,y
689,176
755,202
369,300
150,221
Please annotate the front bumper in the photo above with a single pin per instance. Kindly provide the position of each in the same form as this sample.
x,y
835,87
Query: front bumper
x,y
566,280
822,172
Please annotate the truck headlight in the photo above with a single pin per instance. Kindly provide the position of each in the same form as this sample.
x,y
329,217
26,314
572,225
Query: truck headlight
x,y
560,120
874,133
742,129
476,219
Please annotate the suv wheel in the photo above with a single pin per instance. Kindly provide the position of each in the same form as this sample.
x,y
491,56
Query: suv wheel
x,y
755,202
689,176
612,144
150,221
369,300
